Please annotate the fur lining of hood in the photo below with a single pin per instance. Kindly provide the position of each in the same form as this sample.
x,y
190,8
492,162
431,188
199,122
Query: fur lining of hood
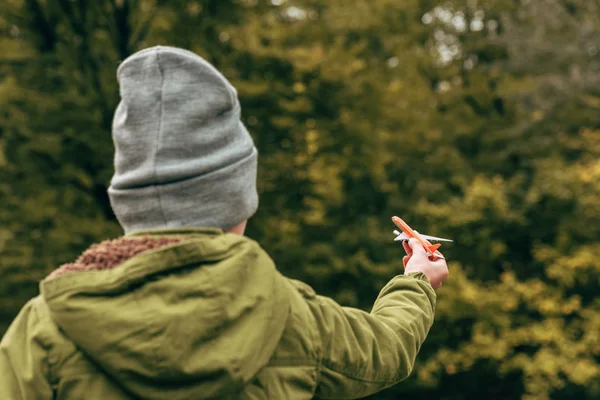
x,y
111,253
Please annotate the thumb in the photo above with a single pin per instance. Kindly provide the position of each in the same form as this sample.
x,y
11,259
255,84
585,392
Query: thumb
x,y
417,248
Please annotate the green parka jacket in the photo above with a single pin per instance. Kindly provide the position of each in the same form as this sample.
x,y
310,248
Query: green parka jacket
x,y
204,315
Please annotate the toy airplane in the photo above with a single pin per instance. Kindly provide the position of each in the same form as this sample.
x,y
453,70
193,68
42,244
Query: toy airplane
x,y
408,232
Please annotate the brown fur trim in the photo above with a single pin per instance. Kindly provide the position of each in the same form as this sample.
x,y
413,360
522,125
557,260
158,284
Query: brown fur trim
x,y
111,253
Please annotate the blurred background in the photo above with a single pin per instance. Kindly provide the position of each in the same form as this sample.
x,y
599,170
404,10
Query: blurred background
x,y
473,120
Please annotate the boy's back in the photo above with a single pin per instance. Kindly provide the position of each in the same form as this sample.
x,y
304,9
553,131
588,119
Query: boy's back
x,y
199,314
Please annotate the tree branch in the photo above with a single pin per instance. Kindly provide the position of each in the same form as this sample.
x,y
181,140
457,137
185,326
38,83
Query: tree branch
x,y
123,29
42,25
85,58
142,32
25,62
112,30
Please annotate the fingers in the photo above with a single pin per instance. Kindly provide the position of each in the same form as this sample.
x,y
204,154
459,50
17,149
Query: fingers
x,y
417,248
407,248
408,251
405,260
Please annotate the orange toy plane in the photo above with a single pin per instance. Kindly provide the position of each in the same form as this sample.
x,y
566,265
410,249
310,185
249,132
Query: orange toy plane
x,y
408,232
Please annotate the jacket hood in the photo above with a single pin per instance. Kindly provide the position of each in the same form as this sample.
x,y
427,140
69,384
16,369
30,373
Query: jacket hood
x,y
194,319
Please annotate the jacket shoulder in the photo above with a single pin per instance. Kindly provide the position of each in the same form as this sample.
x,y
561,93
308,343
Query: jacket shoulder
x,y
61,354
24,371
293,369
58,347
300,343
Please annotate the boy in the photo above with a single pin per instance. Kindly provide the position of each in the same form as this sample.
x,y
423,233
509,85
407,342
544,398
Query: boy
x,y
184,306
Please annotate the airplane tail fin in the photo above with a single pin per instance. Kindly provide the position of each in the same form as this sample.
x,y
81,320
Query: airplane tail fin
x,y
433,247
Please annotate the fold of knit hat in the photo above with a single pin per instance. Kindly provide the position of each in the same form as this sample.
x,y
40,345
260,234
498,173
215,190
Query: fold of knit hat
x,y
183,158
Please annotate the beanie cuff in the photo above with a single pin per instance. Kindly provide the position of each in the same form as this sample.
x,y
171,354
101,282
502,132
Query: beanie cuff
x,y
220,199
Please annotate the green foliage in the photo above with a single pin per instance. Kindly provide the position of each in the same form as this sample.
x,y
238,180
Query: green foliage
x,y
472,120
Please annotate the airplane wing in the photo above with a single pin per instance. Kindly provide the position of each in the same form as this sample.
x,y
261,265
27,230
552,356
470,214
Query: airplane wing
x,y
402,236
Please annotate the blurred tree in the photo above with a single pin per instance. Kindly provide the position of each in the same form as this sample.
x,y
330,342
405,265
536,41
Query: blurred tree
x,y
472,120
519,95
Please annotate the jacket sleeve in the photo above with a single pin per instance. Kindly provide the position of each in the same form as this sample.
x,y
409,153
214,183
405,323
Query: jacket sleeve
x,y
363,353
23,360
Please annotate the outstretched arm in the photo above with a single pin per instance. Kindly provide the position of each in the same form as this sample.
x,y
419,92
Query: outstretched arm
x,y
364,353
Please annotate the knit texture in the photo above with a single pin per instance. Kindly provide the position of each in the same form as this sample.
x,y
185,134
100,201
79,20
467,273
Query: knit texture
x,y
183,158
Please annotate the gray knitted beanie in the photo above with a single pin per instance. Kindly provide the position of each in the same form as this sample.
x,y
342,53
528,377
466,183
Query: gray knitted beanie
x,y
183,158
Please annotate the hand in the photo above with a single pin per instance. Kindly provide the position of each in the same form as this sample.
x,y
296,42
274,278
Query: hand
x,y
417,260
